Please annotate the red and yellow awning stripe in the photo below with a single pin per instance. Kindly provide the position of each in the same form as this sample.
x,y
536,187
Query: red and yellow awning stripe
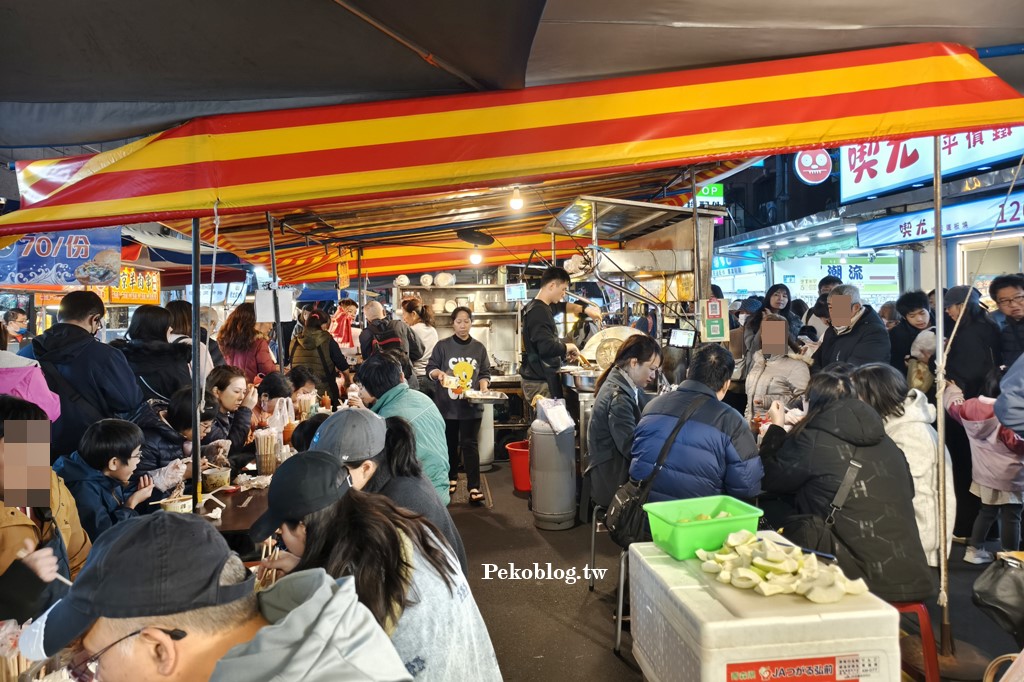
x,y
253,162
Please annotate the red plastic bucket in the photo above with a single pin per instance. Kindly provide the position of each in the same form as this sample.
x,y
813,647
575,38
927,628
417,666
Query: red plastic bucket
x,y
519,458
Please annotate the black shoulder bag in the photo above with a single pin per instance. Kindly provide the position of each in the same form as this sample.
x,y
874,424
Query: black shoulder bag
x,y
62,387
810,531
625,516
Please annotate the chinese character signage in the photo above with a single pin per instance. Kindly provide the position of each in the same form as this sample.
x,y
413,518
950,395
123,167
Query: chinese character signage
x,y
85,257
876,277
975,216
135,287
878,167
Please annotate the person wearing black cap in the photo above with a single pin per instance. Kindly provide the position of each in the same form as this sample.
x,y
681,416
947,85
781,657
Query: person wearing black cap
x,y
162,597
403,570
381,458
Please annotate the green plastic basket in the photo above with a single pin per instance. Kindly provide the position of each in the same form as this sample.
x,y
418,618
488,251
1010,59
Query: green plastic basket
x,y
682,540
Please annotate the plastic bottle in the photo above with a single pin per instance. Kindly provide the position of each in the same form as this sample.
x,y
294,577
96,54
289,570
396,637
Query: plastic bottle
x,y
325,401
354,391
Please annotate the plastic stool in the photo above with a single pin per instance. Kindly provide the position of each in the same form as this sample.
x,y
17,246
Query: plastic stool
x,y
929,652
596,519
620,597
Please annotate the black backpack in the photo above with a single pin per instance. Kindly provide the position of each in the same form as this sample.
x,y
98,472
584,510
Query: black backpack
x,y
384,337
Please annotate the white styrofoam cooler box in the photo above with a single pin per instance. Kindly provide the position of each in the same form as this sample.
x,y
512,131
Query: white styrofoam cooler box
x,y
688,627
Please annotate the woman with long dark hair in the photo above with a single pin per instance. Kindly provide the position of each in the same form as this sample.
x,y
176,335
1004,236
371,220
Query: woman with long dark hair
x,y
243,346
236,400
808,466
381,458
181,332
404,571
160,367
908,418
776,301
459,364
618,404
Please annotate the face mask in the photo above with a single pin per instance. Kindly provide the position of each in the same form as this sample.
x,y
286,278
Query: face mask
x,y
742,317
21,331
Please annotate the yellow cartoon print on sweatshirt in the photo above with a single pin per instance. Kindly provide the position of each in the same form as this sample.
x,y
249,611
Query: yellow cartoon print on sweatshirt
x,y
463,370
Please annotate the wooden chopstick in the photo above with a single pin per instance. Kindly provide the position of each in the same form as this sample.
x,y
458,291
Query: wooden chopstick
x,y
24,553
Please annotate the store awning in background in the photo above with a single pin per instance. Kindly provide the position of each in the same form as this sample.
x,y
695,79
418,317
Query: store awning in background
x,y
474,147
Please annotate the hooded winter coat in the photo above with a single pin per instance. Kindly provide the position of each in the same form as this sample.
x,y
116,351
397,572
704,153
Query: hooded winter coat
x,y
997,453
29,383
879,538
99,498
318,632
254,360
867,340
914,435
102,378
427,424
776,377
304,353
616,413
161,444
161,368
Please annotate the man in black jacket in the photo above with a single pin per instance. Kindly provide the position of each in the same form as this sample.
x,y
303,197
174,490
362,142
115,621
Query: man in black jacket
x,y
543,349
865,339
93,380
1008,293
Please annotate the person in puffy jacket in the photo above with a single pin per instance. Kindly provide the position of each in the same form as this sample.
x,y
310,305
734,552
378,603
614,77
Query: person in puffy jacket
x,y
619,402
714,452
236,401
160,367
908,418
23,378
876,535
775,376
997,458
93,380
317,351
99,475
167,437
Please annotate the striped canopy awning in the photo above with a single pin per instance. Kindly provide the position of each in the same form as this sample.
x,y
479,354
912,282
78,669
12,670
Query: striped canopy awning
x,y
472,148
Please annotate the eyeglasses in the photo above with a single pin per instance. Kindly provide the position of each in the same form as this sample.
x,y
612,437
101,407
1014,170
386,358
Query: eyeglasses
x,y
82,668
1016,300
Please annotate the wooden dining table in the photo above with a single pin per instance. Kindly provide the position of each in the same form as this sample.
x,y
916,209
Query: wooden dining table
x,y
236,518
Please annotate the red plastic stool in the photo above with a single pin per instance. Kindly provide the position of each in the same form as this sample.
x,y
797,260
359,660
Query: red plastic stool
x,y
929,653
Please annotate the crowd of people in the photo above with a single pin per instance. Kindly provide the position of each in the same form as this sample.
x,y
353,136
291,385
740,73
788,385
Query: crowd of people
x,y
777,415
373,564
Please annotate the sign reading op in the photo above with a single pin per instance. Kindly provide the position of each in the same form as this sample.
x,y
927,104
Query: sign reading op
x,y
85,257
877,167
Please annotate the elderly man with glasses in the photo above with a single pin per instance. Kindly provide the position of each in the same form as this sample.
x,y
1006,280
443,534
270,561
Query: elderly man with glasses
x,y
1008,293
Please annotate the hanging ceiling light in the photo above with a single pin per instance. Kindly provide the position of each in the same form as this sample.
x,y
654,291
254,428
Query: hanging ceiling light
x,y
516,202
476,258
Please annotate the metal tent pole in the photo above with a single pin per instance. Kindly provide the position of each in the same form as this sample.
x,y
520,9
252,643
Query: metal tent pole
x,y
362,287
197,387
274,288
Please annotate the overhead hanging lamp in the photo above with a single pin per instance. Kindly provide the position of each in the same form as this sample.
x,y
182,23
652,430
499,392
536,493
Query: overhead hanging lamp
x,y
476,258
516,202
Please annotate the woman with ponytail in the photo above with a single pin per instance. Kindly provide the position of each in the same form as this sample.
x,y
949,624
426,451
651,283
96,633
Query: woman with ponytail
x,y
403,570
620,400
420,319
380,456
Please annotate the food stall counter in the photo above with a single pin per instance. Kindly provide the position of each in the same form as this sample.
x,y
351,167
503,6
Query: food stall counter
x,y
686,625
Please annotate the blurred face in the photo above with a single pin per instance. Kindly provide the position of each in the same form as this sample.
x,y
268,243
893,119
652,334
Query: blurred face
x,y
643,373
461,324
119,471
779,300
230,398
919,319
1011,302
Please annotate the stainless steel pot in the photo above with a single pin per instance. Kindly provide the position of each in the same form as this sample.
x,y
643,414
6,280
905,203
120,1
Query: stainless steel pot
x,y
585,380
